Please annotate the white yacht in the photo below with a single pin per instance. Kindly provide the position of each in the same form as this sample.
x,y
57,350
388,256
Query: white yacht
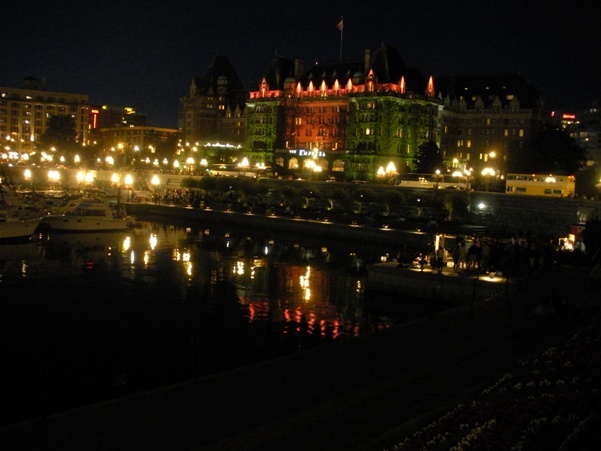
x,y
18,220
88,216
16,230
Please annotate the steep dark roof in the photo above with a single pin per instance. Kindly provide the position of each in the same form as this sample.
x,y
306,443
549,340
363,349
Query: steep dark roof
x,y
279,69
388,66
488,87
333,70
220,66
386,62
208,83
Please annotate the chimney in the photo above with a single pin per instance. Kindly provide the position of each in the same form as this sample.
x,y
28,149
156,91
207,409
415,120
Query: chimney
x,y
298,68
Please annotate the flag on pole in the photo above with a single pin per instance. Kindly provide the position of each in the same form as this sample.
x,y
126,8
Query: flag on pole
x,y
339,27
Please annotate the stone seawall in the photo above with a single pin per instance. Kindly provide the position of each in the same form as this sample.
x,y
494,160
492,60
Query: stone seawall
x,y
394,238
546,216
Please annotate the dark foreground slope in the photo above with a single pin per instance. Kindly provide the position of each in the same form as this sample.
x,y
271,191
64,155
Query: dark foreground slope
x,y
364,394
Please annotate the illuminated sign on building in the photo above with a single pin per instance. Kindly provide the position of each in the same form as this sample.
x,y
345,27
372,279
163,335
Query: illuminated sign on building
x,y
94,112
307,153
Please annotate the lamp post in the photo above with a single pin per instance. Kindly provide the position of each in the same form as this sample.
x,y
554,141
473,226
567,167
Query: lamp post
x,y
458,174
190,164
129,181
437,177
80,178
244,164
115,181
54,177
316,170
487,172
29,177
204,164
155,183
391,169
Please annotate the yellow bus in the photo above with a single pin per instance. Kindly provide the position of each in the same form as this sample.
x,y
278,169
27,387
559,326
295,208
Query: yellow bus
x,y
541,185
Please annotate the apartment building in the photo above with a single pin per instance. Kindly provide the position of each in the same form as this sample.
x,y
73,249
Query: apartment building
x,y
25,111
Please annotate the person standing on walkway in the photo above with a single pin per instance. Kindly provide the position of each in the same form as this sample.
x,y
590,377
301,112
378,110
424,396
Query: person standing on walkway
x,y
440,258
474,254
462,255
458,255
485,255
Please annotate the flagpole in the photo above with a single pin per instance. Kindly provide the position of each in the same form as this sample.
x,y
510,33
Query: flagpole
x,y
341,31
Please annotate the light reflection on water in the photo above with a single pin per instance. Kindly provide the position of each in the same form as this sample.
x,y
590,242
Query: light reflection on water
x,y
111,313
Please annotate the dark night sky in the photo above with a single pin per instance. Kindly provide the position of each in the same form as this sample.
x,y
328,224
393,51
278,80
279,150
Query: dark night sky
x,y
144,54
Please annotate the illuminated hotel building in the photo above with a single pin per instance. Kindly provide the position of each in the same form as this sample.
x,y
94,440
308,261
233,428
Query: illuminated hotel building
x,y
353,117
346,117
25,111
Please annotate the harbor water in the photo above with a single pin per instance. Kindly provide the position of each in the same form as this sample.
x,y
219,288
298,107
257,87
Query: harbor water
x,y
87,317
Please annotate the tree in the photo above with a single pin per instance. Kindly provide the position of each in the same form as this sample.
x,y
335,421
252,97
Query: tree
x,y
60,133
392,199
361,196
428,158
310,196
456,202
167,148
335,195
549,151
289,195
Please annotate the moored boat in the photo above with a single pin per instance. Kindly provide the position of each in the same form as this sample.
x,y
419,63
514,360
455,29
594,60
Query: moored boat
x,y
14,230
18,221
88,216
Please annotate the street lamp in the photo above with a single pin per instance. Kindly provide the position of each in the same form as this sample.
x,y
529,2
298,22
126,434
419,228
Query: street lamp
x,y
54,177
487,172
115,179
244,164
316,170
155,183
459,175
437,177
391,168
190,164
80,178
29,177
129,181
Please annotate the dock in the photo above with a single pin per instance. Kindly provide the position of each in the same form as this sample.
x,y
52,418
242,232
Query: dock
x,y
449,286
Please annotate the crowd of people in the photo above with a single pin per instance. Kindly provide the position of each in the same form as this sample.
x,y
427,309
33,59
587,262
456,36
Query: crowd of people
x,y
518,254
